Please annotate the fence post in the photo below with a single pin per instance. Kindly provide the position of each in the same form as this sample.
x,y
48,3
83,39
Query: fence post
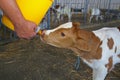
x,y
109,6
48,19
55,1
86,9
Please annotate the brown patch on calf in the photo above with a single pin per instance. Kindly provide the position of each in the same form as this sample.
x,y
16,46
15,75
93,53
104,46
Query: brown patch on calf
x,y
119,55
99,53
110,43
88,45
110,63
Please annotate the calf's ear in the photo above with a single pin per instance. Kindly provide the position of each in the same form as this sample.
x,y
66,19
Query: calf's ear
x,y
75,26
57,6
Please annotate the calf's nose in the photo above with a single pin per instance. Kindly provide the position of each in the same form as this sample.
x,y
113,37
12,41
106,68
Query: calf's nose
x,y
42,33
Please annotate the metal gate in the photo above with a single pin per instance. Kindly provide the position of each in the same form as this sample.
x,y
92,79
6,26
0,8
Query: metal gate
x,y
107,7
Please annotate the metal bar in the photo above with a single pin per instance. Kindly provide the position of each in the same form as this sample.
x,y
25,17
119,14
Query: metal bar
x,y
109,6
86,7
48,19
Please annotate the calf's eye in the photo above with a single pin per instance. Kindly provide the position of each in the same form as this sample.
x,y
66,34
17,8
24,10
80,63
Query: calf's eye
x,y
62,34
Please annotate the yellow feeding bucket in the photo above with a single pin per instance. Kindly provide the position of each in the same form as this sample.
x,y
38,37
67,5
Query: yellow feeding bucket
x,y
33,10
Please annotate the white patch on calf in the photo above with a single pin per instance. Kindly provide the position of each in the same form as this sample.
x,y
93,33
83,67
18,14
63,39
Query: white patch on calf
x,y
66,25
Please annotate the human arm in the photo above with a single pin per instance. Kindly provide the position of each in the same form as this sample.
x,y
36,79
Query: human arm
x,y
24,28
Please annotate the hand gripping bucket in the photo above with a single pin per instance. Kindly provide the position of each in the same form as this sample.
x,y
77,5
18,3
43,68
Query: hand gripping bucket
x,y
33,10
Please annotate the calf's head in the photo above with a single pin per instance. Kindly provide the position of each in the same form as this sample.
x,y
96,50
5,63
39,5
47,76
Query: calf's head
x,y
64,36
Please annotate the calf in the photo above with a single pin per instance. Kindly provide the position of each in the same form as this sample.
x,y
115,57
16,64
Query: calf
x,y
95,12
112,14
62,10
99,49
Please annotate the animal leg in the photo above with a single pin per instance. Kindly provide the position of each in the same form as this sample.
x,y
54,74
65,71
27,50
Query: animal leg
x,y
99,73
69,17
58,18
97,18
101,17
61,17
91,17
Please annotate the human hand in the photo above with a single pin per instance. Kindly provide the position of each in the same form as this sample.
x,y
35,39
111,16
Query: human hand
x,y
25,29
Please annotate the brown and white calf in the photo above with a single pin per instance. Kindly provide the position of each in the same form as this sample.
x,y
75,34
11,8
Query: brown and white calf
x,y
99,49
62,10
